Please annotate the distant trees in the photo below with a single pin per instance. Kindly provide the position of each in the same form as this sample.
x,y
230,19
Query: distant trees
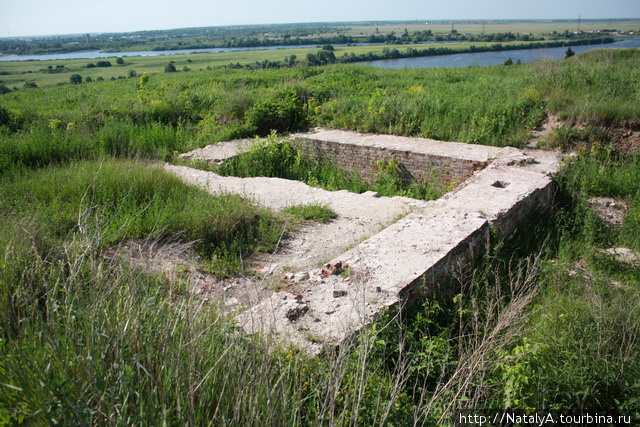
x,y
75,79
30,85
321,58
4,89
569,53
290,61
119,61
170,68
99,64
394,53
58,69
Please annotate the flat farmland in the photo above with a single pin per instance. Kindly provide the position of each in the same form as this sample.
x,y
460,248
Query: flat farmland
x,y
20,72
537,28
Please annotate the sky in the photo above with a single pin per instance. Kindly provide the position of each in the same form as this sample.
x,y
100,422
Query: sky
x,y
49,17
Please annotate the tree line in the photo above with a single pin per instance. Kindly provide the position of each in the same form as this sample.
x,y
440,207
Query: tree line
x,y
327,56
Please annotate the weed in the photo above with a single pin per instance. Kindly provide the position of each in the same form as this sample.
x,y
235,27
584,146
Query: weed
x,y
313,212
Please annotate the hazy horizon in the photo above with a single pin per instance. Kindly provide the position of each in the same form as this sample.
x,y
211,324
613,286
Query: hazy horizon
x,y
38,18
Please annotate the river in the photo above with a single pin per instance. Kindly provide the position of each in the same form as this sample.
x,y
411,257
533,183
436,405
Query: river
x,y
460,60
447,61
97,54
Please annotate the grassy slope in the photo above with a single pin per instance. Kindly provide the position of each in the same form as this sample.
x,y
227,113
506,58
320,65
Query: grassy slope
x,y
176,112
84,341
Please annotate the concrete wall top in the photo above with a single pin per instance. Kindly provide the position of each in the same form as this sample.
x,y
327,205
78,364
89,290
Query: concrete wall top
x,y
495,190
397,256
454,150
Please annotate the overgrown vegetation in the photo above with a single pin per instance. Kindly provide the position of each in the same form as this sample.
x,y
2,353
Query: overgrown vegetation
x,y
129,200
581,346
174,113
274,157
546,320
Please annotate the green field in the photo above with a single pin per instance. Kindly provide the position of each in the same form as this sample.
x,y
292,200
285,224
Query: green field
x,y
21,72
546,319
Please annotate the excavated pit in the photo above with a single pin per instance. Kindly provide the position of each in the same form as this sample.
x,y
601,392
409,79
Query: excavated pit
x,y
333,278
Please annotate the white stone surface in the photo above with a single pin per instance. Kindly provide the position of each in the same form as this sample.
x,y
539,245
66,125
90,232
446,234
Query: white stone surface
x,y
330,304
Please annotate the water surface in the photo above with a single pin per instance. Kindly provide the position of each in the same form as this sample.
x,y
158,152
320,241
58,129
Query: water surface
x,y
98,54
482,59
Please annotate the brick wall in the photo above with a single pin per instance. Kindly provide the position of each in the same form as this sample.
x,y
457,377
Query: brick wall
x,y
413,165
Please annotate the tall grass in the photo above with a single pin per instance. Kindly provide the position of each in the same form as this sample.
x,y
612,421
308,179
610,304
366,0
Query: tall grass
x,y
87,340
580,351
597,87
274,157
132,201
106,345
165,114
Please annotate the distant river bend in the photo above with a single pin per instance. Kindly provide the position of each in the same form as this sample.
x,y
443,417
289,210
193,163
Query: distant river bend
x,y
440,61
459,60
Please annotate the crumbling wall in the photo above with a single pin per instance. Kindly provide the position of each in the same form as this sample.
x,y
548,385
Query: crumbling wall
x,y
414,166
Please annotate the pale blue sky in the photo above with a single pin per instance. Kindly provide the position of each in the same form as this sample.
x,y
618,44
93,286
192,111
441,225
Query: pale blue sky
x,y
39,17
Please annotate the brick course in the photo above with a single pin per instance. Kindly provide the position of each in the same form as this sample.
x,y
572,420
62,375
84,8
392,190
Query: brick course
x,y
414,166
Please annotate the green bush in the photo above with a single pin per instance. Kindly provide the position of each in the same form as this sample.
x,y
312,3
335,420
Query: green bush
x,y
282,113
75,79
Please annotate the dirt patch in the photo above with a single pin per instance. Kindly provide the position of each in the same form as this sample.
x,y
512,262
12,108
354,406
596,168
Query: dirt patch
x,y
543,131
160,258
611,211
624,255
627,140
178,262
305,248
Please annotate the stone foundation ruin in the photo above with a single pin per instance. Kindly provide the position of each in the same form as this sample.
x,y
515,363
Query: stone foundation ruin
x,y
326,304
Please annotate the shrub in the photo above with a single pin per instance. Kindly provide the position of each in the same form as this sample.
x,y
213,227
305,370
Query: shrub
x,y
284,112
6,119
